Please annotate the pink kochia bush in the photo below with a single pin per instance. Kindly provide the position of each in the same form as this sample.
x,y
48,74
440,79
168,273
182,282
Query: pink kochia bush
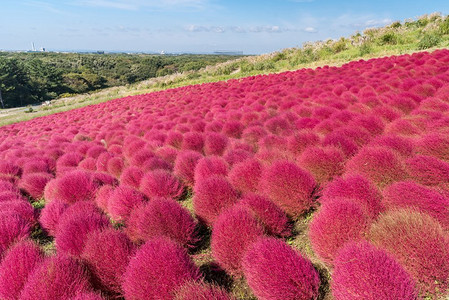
x,y
13,228
274,271
15,267
74,186
381,165
50,215
213,195
324,163
337,222
195,290
34,184
269,214
245,176
160,183
185,164
57,277
420,245
74,226
233,232
363,272
289,186
162,217
159,267
107,253
210,165
358,189
122,201
408,194
131,176
215,144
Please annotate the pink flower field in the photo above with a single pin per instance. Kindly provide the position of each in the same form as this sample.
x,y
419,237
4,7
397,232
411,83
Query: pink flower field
x,y
152,196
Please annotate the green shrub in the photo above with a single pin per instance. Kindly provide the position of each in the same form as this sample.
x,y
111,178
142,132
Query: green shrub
x,y
365,48
444,26
389,38
429,40
396,24
340,46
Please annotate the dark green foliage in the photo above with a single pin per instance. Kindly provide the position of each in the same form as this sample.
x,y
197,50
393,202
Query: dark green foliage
x,y
365,48
29,78
429,40
444,26
389,38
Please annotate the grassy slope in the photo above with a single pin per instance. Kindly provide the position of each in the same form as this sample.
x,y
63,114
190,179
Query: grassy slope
x,y
427,33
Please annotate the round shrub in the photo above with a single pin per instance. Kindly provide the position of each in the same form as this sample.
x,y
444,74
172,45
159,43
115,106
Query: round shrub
x,y
289,186
213,195
419,244
233,129
174,139
102,197
13,228
210,165
57,277
34,184
131,176
324,163
50,216
160,183
9,168
101,162
215,143
21,208
115,166
381,165
162,218
233,232
142,278
156,163
193,141
185,165
274,270
88,164
245,176
345,144
409,194
107,253
74,186
364,272
357,188
269,214
195,290
122,201
400,144
87,296
235,156
337,222
15,267
74,226
428,170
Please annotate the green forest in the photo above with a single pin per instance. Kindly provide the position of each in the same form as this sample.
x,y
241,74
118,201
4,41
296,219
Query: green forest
x,y
31,78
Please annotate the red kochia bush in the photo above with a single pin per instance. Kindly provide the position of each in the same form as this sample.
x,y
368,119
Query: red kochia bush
x,y
358,189
233,129
215,143
233,232
21,208
9,168
57,277
381,165
142,279
428,170
409,194
74,186
193,141
102,197
50,216
74,226
160,183
213,195
107,253
289,186
185,166
131,176
210,165
324,163
195,290
87,296
274,271
34,184
15,267
269,214
363,272
162,218
434,145
13,228
420,245
337,222
122,201
115,166
245,176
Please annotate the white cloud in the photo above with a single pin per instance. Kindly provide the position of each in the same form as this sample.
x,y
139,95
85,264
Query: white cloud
x,y
310,29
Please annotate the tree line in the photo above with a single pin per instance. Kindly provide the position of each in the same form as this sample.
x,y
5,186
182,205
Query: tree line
x,y
30,78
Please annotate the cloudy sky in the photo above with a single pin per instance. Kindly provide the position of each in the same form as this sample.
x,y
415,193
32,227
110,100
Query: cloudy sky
x,y
193,25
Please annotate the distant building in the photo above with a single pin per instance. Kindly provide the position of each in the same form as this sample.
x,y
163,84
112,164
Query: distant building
x,y
226,52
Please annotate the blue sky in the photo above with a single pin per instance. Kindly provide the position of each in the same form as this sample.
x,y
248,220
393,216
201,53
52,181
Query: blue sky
x,y
193,25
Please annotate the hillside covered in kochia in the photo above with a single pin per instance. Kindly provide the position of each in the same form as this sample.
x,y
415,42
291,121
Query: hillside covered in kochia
x,y
30,78
334,181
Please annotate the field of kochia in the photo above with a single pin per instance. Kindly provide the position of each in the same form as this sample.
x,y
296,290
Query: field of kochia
x,y
327,183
